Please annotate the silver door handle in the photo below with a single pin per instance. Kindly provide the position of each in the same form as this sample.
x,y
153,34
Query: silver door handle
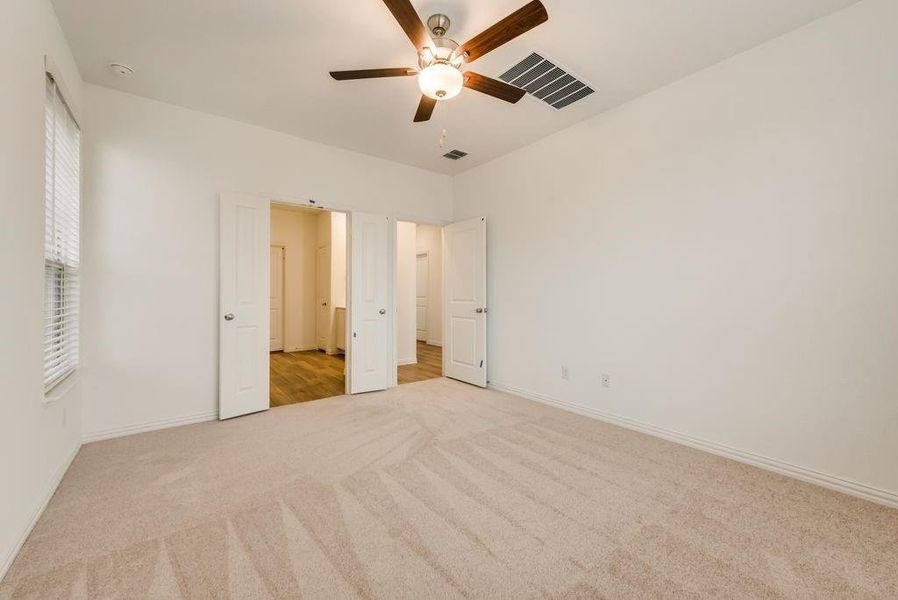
x,y
383,311
229,317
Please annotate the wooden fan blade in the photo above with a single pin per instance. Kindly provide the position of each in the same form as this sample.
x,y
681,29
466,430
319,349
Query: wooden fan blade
x,y
521,21
493,87
425,109
372,73
411,24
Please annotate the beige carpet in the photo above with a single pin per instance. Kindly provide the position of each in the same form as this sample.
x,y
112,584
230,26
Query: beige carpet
x,y
441,490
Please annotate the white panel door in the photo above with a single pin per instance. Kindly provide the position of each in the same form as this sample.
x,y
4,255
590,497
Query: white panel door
x,y
370,302
276,298
244,313
422,285
323,296
464,280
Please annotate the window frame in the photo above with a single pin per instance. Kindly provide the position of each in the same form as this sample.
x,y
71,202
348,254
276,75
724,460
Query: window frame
x,y
62,250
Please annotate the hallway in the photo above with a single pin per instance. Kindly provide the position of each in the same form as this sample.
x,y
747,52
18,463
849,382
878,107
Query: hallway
x,y
303,376
429,366
312,375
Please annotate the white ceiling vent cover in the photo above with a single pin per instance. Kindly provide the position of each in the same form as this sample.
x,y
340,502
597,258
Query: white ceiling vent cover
x,y
542,79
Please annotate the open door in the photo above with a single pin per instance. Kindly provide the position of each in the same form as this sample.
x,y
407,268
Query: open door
x,y
464,293
244,311
323,296
370,302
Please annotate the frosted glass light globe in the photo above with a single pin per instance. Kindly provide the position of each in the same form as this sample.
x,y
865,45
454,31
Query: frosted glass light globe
x,y
440,81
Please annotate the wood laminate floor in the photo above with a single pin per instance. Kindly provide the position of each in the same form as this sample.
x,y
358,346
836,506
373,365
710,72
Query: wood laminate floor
x,y
430,365
312,375
304,376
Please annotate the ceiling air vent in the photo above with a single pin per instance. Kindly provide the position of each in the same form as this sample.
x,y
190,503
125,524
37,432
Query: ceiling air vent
x,y
455,154
545,80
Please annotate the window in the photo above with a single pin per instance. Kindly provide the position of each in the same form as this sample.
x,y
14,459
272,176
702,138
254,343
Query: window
x,y
62,246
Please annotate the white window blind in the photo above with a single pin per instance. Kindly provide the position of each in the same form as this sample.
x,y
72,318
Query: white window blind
x,y
62,248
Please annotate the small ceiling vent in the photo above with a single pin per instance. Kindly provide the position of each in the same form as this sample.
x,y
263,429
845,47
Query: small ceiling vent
x,y
543,79
455,154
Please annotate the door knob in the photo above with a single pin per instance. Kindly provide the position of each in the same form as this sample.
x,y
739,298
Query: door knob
x,y
383,311
478,310
229,317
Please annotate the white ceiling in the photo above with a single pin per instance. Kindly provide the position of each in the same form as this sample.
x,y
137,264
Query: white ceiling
x,y
266,62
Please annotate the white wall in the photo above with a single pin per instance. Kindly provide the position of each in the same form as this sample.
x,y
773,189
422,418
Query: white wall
x,y
724,248
430,240
297,232
37,439
152,177
406,344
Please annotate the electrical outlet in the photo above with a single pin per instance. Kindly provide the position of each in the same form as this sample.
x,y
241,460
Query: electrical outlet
x,y
564,374
606,380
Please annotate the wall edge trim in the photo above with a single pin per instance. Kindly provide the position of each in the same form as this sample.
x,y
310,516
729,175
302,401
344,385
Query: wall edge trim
x,y
114,432
852,488
42,504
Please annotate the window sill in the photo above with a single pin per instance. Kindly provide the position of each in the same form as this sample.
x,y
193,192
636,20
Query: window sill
x,y
61,388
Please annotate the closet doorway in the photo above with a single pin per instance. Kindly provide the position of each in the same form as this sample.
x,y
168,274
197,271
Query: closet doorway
x,y
308,304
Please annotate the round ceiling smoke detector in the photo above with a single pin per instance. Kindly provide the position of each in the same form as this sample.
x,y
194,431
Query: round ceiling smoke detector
x,y
121,70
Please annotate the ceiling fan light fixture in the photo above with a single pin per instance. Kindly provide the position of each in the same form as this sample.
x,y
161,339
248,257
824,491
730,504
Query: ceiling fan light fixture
x,y
441,59
426,57
440,81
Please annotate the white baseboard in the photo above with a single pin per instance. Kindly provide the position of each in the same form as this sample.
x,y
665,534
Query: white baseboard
x,y
832,482
38,510
434,343
106,434
301,348
407,361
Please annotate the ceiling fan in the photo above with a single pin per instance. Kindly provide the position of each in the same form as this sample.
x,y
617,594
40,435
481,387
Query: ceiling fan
x,y
440,59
